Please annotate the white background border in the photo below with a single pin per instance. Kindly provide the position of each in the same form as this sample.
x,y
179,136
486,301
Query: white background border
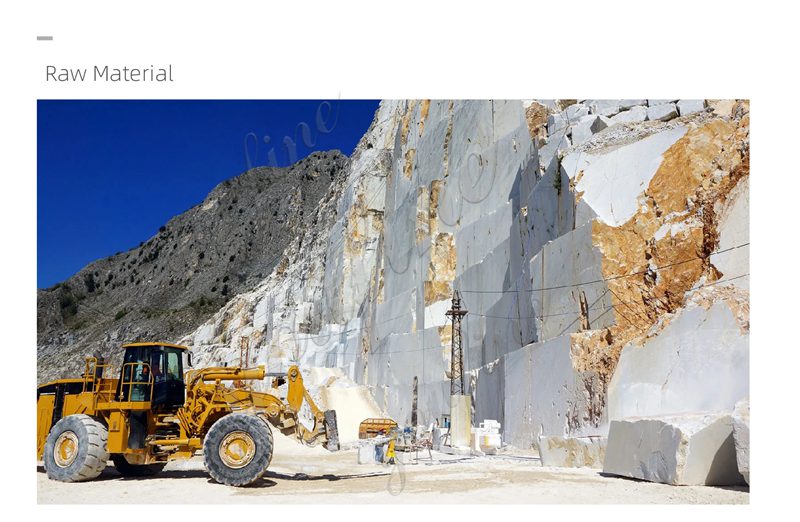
x,y
416,49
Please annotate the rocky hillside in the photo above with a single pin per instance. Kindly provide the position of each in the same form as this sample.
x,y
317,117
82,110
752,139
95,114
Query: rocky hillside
x,y
601,247
177,279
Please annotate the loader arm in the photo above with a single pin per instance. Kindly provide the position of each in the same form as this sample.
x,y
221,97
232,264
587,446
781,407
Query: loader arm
x,y
324,425
207,399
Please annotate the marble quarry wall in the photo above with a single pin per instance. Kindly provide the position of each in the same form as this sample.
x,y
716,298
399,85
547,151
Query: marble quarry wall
x,y
601,249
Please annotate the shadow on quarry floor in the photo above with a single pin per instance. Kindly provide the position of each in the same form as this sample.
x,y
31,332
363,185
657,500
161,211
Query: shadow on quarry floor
x,y
612,476
327,476
266,482
742,488
111,474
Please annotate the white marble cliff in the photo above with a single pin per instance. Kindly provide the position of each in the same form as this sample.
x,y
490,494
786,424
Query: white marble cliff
x,y
601,248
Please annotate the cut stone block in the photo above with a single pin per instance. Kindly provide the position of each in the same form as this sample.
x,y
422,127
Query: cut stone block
x,y
573,452
627,104
575,112
690,106
690,449
587,127
556,123
733,227
366,454
741,437
541,386
612,180
568,259
600,123
460,420
662,112
653,103
635,114
698,362
604,107
581,132
554,144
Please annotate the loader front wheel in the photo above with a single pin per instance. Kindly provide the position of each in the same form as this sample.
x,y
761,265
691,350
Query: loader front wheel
x,y
76,449
238,449
126,469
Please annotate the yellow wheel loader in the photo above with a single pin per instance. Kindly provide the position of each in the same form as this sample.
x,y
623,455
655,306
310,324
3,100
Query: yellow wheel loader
x,y
153,413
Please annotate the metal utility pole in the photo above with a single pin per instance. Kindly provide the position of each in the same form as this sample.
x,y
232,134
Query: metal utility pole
x,y
244,356
460,404
244,352
456,355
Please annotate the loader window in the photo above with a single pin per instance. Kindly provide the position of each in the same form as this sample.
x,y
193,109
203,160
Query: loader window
x,y
173,366
136,375
153,373
157,365
136,379
169,387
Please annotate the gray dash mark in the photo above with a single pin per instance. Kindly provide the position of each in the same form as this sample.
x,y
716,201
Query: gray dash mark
x,y
44,38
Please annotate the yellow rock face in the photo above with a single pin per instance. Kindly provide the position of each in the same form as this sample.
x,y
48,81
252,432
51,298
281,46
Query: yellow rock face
x,y
441,270
536,116
353,245
666,244
423,211
408,167
405,122
424,107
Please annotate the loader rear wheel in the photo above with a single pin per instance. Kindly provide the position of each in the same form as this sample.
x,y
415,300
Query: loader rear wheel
x,y
76,449
238,449
126,469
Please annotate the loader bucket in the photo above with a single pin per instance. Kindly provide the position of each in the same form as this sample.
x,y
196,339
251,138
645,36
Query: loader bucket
x,y
331,431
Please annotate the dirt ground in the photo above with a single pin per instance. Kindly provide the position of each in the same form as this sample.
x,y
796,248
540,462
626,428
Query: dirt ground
x,y
313,475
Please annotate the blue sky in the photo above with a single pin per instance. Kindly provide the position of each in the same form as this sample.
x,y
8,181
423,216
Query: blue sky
x,y
110,173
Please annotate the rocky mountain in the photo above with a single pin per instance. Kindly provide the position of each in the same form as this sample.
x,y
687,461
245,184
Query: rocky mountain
x,y
176,280
601,248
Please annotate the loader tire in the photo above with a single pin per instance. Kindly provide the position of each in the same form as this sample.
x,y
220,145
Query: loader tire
x,y
238,449
126,469
265,420
76,449
331,431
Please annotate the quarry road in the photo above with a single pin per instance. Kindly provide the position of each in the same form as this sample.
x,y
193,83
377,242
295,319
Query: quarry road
x,y
307,475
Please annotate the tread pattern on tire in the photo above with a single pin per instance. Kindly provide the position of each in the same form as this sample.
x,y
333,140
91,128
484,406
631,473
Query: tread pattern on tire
x,y
92,456
259,430
265,420
126,469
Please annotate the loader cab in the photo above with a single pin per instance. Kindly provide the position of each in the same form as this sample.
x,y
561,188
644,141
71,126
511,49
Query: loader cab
x,y
153,372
